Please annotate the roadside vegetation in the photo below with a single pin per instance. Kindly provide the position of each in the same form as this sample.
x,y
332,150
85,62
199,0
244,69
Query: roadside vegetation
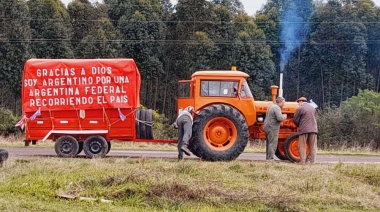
x,y
354,127
146,184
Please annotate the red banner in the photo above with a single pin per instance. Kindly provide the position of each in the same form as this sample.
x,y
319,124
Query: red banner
x,y
67,84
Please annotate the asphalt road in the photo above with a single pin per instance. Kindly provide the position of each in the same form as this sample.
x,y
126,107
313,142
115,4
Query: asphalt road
x,y
32,151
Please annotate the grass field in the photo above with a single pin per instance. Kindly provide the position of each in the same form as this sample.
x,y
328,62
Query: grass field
x,y
146,184
151,184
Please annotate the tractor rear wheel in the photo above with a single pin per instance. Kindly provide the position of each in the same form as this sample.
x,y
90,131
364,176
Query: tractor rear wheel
x,y
220,133
291,148
66,146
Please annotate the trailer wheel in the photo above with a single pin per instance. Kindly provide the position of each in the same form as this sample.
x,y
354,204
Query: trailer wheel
x,y
109,146
95,146
3,156
220,133
80,147
66,146
291,148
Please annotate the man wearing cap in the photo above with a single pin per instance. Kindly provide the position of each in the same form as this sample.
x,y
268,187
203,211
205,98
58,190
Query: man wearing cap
x,y
184,124
272,123
306,119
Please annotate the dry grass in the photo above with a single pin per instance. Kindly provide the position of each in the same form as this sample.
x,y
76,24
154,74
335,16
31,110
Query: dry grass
x,y
146,184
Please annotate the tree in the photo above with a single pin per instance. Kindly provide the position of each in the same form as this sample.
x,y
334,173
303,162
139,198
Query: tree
x,y
103,41
338,40
252,55
51,29
84,18
143,33
367,13
14,50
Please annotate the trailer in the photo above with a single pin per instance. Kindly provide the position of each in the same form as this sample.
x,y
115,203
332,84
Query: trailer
x,y
83,104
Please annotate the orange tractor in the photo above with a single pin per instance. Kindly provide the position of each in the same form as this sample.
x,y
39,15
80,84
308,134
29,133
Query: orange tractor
x,y
227,115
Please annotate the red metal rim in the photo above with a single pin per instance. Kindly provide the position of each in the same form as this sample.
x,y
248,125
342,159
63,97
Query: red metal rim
x,y
220,133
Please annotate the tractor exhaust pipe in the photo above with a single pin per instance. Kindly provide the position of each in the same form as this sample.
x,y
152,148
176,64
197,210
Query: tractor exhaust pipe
x,y
280,90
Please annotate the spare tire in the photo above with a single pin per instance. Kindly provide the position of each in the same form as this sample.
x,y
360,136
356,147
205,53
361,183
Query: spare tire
x,y
142,126
149,123
137,123
220,133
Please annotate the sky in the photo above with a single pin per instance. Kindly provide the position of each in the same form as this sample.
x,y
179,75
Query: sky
x,y
250,6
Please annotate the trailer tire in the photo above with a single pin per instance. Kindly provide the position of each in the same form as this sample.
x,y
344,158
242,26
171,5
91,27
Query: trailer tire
x,y
109,146
291,148
220,133
66,146
95,147
149,125
3,156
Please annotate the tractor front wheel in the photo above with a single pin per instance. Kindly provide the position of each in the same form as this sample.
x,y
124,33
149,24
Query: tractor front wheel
x,y
220,133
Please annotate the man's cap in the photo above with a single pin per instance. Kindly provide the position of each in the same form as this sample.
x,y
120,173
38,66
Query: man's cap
x,y
303,99
280,99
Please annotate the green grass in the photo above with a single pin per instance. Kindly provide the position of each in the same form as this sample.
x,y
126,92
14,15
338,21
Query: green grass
x,y
147,184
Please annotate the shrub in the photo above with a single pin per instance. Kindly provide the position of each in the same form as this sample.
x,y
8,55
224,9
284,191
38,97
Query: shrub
x,y
355,123
7,122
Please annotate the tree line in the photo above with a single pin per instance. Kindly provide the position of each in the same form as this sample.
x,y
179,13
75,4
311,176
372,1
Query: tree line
x,y
328,51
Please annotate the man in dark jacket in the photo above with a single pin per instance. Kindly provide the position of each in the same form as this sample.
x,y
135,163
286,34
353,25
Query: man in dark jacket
x,y
306,119
273,119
